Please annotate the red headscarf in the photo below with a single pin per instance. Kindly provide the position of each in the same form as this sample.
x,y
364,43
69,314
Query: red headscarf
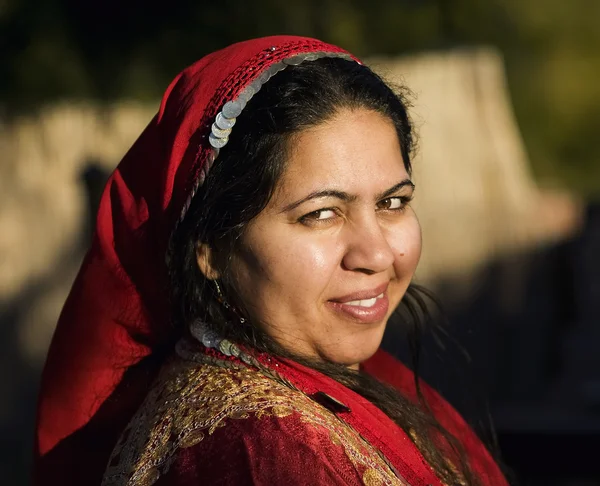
x,y
117,314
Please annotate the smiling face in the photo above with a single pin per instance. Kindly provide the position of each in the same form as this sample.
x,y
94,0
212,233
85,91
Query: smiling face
x,y
324,265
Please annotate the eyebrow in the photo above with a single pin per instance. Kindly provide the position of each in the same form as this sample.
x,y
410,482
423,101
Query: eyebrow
x,y
344,196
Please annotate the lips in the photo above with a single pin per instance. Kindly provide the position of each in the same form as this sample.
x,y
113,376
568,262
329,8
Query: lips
x,y
366,306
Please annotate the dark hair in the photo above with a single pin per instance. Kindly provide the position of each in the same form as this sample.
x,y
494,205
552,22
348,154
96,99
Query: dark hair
x,y
239,186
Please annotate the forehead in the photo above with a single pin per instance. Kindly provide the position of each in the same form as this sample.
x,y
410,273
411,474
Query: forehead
x,y
356,151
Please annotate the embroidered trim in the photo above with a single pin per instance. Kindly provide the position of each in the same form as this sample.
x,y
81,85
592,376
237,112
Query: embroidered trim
x,y
190,401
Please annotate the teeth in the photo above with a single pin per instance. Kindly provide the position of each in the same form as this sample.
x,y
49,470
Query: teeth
x,y
365,302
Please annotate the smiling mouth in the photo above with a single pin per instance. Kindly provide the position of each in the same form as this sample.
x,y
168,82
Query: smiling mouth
x,y
371,309
365,302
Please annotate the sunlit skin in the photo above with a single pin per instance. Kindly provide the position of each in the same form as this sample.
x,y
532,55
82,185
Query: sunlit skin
x,y
339,223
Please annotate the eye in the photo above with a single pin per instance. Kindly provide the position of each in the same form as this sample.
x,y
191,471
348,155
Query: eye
x,y
397,203
320,215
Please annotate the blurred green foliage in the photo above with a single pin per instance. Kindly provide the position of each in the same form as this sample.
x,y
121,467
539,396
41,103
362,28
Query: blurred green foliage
x,y
53,49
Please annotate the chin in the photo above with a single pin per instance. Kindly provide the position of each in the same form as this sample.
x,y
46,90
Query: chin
x,y
352,354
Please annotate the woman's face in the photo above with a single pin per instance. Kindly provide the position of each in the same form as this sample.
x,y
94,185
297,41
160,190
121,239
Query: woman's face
x,y
324,265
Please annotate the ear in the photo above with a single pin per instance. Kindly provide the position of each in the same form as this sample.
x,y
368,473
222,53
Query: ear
x,y
206,260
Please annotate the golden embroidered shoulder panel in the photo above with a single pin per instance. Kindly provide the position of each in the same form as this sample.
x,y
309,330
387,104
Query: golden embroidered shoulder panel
x,y
190,400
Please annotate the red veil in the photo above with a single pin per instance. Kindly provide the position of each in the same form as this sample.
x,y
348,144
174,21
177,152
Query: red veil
x,y
116,318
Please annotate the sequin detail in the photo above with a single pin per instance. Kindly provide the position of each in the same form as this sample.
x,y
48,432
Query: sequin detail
x,y
240,86
189,401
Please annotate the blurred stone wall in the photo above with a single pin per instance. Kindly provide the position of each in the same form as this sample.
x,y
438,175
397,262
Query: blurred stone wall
x,y
43,203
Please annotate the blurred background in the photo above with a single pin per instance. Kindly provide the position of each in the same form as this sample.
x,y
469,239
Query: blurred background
x,y
507,104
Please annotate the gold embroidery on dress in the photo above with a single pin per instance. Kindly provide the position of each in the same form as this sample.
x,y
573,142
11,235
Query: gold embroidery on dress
x,y
191,400
419,443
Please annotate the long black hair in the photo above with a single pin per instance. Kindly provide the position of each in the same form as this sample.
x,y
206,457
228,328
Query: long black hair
x,y
239,186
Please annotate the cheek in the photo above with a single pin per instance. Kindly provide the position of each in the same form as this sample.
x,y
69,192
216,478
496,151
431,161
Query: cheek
x,y
299,266
312,263
415,243
311,256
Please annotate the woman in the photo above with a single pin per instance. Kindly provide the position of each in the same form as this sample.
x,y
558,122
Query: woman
x,y
249,251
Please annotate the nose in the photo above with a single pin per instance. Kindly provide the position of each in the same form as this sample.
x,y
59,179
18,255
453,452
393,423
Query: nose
x,y
367,247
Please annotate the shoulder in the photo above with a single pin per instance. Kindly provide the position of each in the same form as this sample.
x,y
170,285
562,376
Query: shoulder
x,y
388,369
236,426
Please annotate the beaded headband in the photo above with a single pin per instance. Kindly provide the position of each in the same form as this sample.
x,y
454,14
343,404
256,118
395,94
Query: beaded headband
x,y
225,119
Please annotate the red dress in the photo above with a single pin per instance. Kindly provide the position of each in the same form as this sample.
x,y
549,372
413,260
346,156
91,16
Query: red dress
x,y
221,422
